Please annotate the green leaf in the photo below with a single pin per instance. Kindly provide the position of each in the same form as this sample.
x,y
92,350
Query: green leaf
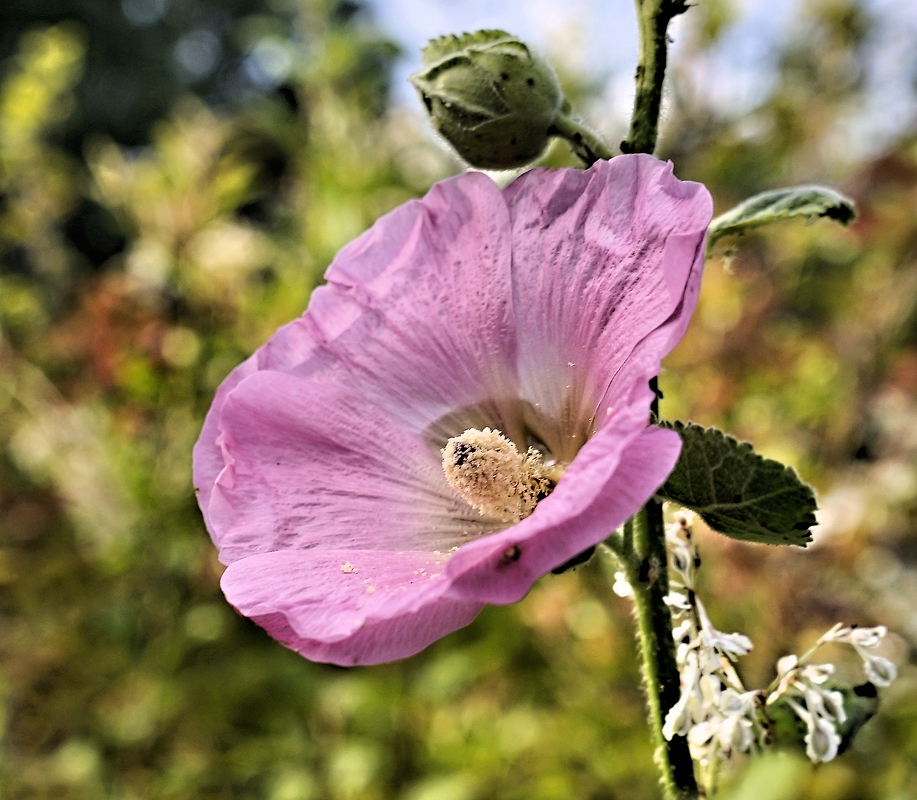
x,y
767,207
738,492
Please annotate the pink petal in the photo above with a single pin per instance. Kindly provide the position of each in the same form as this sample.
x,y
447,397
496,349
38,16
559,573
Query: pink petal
x,y
207,456
287,347
348,607
418,310
604,486
600,260
312,464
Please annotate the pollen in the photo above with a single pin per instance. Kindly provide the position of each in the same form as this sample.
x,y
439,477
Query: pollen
x,y
488,471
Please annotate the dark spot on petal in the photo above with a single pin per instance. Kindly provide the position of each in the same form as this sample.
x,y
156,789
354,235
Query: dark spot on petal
x,y
504,76
530,81
511,554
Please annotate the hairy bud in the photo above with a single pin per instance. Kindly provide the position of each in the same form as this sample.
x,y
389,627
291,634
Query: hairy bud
x,y
492,97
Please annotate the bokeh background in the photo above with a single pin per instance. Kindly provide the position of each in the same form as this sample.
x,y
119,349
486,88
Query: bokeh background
x,y
175,177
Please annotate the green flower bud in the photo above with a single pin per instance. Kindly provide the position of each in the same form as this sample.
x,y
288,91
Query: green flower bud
x,y
493,98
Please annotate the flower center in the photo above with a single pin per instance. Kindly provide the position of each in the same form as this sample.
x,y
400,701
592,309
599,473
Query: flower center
x,y
487,470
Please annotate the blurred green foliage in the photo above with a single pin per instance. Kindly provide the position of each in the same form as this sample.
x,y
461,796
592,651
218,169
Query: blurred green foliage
x,y
132,279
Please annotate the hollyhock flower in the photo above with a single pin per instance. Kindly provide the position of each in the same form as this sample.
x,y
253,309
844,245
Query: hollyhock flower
x,y
512,333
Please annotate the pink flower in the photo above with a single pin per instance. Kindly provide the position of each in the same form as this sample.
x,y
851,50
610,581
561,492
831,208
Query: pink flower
x,y
541,311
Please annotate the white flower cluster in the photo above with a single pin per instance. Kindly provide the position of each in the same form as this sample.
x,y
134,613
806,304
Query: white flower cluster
x,y
715,712
879,671
802,687
821,709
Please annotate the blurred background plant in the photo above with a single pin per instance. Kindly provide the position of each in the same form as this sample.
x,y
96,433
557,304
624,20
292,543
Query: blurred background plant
x,y
174,178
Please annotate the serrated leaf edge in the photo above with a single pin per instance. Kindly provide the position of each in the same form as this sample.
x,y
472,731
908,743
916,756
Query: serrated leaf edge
x,y
679,426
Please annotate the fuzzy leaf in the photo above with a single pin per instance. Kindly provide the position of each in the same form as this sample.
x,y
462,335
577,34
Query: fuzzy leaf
x,y
799,201
738,492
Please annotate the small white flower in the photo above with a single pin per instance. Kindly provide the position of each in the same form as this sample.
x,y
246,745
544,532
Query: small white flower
x,y
710,690
786,673
786,664
678,720
858,637
825,704
683,629
710,660
817,673
736,733
834,705
733,702
868,637
880,671
677,600
822,741
701,733
730,644
683,650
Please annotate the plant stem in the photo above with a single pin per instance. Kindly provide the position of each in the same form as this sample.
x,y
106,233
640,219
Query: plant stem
x,y
653,18
647,570
588,146
647,574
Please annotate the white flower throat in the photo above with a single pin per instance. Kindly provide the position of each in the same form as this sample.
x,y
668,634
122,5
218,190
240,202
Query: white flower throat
x,y
488,471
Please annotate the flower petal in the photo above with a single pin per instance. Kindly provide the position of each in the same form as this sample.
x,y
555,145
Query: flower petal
x,y
601,259
347,607
311,465
207,455
603,487
287,347
418,310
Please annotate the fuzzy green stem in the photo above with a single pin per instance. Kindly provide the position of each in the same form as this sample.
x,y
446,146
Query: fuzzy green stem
x,y
588,146
647,574
653,18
